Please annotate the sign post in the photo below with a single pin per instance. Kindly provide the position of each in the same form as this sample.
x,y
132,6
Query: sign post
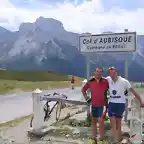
x,y
126,76
126,61
87,66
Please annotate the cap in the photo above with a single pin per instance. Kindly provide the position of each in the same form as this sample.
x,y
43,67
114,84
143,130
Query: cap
x,y
112,68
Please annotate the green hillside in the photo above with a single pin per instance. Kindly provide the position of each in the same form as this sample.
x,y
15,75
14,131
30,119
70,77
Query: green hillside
x,y
15,81
33,76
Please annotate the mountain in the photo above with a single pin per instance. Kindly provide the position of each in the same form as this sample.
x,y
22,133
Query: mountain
x,y
46,45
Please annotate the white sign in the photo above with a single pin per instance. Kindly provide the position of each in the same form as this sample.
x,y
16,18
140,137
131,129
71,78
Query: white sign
x,y
115,42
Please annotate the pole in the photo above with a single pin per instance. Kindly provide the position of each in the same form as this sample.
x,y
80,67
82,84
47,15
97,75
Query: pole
x,y
88,76
126,61
126,77
126,68
87,67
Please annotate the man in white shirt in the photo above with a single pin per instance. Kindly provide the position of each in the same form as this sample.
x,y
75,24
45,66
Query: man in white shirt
x,y
118,87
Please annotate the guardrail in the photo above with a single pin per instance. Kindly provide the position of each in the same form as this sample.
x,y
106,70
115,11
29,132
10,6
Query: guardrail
x,y
135,114
39,127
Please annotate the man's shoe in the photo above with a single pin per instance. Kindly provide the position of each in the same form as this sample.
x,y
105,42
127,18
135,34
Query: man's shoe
x,y
101,142
92,141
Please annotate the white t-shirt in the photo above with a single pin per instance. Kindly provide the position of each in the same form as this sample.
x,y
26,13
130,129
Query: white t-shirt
x,y
117,89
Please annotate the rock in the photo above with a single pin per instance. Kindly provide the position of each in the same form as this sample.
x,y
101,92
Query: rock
x,y
67,135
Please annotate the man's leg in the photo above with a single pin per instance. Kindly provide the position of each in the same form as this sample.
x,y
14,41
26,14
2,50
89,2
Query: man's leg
x,y
111,113
101,128
97,112
118,127
113,128
94,121
119,115
93,126
72,85
101,122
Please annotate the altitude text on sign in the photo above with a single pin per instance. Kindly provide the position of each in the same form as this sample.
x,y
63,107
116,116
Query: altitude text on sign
x,y
109,42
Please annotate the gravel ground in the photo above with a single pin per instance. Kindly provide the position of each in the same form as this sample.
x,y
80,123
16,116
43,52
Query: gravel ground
x,y
16,133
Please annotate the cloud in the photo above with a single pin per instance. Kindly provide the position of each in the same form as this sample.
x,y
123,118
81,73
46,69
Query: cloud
x,y
90,16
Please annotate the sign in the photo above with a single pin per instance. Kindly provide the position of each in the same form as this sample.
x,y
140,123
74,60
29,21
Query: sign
x,y
115,42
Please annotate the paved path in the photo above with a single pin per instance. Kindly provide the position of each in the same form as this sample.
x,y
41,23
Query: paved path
x,y
20,104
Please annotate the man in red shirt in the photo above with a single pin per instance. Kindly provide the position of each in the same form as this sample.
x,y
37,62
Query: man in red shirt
x,y
73,82
98,87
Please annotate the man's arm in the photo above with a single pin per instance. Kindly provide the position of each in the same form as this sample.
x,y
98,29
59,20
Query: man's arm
x,y
136,95
84,90
129,87
106,93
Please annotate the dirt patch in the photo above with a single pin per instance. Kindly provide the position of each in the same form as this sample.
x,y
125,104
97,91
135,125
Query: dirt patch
x,y
66,131
16,131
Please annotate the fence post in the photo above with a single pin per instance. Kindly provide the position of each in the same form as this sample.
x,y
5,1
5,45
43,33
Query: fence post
x,y
38,112
142,125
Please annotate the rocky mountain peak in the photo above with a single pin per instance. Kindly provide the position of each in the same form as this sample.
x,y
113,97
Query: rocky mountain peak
x,y
45,24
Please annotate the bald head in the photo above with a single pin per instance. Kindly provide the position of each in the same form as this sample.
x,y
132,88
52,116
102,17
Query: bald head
x,y
98,73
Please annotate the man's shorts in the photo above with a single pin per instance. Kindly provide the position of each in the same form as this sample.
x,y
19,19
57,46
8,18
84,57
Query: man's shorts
x,y
116,109
96,111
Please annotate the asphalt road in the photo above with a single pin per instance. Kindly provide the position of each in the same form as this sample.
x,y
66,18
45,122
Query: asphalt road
x,y
17,105
20,104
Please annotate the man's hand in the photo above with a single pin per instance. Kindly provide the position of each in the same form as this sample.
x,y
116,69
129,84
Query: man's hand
x,y
142,104
106,107
88,100
137,96
92,77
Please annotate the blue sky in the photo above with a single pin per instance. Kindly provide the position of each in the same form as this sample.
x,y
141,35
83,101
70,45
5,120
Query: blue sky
x,y
92,16
124,4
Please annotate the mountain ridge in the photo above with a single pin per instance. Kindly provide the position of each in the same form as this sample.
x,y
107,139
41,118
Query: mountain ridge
x,y
45,44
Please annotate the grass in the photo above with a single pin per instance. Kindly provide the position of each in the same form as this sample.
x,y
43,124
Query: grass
x,y
33,76
14,81
15,122
10,86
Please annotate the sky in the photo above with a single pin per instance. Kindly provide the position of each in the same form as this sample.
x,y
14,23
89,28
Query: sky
x,y
94,16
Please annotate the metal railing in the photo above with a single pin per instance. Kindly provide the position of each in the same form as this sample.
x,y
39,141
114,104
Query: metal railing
x,y
135,114
38,126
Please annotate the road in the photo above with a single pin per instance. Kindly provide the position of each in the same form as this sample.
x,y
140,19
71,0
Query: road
x,y
17,105
20,104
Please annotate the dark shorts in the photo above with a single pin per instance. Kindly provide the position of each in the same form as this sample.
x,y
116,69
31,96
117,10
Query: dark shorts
x,y
116,109
96,111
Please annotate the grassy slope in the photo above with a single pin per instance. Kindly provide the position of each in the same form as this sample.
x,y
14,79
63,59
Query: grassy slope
x,y
11,81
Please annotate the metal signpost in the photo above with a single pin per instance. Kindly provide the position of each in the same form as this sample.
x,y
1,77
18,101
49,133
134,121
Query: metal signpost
x,y
126,61
126,76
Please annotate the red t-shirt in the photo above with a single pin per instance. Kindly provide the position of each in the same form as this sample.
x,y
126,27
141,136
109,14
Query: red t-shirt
x,y
73,80
98,91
